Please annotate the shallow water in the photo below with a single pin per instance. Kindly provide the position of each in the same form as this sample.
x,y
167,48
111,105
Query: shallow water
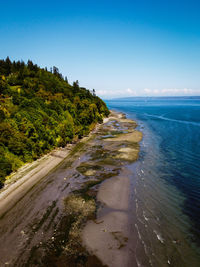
x,y
166,185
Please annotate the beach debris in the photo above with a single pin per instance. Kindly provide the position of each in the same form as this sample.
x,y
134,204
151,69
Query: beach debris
x,y
120,238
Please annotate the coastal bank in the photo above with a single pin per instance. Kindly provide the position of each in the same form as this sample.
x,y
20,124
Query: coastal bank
x,y
76,211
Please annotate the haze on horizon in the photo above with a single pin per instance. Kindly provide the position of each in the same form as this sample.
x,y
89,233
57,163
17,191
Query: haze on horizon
x,y
119,48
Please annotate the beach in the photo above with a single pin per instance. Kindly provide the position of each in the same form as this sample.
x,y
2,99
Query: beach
x,y
110,237
72,207
165,180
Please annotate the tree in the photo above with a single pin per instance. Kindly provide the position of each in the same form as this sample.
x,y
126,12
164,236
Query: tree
x,y
40,110
2,115
30,64
56,72
66,80
8,65
76,86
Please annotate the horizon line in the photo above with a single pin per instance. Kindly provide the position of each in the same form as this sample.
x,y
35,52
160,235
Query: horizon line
x,y
115,98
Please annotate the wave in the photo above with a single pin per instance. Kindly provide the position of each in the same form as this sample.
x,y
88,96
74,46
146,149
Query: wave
x,y
145,217
168,119
159,237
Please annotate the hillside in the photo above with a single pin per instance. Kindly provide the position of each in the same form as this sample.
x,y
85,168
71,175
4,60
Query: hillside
x,y
40,110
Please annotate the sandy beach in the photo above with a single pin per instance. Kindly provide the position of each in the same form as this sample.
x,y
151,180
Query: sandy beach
x,y
109,236
71,207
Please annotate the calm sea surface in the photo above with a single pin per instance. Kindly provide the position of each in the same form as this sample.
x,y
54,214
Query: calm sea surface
x,y
166,182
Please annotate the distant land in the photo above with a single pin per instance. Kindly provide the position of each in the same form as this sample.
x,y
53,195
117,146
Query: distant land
x,y
154,97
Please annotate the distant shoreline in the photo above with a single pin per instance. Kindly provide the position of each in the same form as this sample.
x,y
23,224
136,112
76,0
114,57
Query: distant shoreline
x,y
153,98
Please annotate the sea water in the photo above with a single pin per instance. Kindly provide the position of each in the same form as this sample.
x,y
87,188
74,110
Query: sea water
x,y
166,182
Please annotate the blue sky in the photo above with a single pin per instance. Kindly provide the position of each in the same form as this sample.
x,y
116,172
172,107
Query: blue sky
x,y
119,48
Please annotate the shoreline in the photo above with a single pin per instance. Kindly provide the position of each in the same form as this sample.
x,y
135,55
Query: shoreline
x,y
109,236
31,173
83,186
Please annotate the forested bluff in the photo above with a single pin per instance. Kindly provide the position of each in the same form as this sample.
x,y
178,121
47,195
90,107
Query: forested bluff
x,y
39,111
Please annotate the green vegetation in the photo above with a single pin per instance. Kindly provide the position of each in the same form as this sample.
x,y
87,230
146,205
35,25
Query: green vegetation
x,y
40,110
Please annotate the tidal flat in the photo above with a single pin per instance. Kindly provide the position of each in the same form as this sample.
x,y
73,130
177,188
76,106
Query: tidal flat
x,y
78,213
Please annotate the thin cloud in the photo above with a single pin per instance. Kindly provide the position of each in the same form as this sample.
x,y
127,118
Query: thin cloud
x,y
171,92
116,93
147,92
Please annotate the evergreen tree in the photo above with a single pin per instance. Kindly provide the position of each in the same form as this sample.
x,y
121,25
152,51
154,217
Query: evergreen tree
x,y
66,79
40,110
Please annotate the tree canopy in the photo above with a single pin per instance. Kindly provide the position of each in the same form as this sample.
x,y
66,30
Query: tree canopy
x,y
40,110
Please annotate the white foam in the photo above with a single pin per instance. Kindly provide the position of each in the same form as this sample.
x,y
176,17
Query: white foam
x,y
179,121
139,235
140,221
159,237
138,263
135,190
144,215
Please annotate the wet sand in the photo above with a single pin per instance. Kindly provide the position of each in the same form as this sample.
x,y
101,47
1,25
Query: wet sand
x,y
109,236
72,208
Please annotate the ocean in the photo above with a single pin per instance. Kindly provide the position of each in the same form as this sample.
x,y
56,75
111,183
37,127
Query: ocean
x,y
166,181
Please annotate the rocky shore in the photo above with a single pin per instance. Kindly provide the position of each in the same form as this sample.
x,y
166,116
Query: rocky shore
x,y
78,213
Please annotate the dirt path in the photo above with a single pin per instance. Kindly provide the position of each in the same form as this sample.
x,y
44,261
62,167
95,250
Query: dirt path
x,y
36,229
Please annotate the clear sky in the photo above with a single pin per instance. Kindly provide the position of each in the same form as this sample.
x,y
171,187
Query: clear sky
x,y
119,48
